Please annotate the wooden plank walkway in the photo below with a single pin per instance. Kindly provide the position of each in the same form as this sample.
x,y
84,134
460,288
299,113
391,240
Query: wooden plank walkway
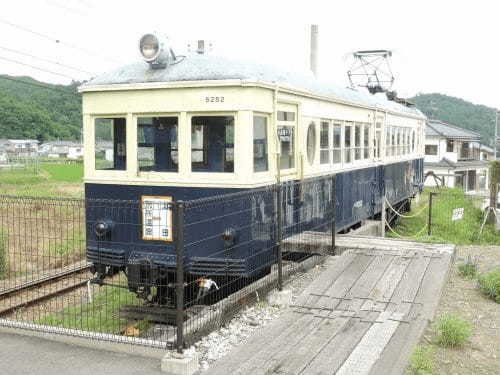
x,y
362,315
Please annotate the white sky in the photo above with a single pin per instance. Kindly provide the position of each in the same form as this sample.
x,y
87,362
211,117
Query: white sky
x,y
439,46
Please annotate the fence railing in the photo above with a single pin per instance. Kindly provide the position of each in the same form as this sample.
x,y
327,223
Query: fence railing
x,y
156,272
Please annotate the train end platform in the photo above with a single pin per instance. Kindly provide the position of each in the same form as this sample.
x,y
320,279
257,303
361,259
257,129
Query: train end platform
x,y
363,315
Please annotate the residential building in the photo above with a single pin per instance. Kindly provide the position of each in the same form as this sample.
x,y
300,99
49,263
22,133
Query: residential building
x,y
20,147
62,149
453,155
487,153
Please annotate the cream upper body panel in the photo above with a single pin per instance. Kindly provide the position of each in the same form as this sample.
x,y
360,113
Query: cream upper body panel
x,y
241,97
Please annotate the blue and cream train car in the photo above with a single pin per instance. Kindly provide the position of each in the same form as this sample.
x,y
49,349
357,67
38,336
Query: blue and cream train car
x,y
183,129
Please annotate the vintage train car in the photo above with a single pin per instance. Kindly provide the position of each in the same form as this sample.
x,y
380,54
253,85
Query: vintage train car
x,y
184,129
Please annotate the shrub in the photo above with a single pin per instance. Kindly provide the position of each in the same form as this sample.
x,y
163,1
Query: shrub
x,y
422,361
452,330
489,283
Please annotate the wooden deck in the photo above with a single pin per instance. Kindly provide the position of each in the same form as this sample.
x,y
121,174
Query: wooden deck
x,y
362,315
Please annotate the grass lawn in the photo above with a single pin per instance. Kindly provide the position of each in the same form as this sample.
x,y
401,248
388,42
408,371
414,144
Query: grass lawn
x,y
460,232
52,180
102,315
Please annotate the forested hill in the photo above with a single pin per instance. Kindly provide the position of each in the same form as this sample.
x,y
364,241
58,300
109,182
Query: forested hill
x,y
456,111
38,110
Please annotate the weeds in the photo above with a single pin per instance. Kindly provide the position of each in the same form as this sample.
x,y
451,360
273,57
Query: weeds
x,y
468,270
489,284
422,361
452,331
4,259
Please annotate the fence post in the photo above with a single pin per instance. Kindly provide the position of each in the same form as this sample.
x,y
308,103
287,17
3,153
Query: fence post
x,y
333,215
279,234
179,289
429,223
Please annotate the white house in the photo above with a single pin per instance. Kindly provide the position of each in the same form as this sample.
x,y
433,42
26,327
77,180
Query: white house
x,y
487,153
453,155
62,149
20,147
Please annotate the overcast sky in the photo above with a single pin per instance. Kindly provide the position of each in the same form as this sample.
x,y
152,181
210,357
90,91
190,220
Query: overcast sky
x,y
439,46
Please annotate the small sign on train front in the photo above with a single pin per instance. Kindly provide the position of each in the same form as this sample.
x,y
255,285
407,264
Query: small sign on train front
x,y
157,218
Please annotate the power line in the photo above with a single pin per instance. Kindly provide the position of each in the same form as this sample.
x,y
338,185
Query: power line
x,y
39,85
37,68
46,60
58,41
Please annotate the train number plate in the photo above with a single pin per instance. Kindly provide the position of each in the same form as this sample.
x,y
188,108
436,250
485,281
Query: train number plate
x,y
156,218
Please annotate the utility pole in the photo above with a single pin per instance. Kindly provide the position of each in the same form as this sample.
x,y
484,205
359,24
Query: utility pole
x,y
497,137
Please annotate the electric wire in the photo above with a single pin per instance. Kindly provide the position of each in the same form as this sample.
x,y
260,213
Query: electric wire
x,y
58,41
39,85
46,60
37,68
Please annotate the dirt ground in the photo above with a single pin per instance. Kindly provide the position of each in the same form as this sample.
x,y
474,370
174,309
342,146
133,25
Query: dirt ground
x,y
481,355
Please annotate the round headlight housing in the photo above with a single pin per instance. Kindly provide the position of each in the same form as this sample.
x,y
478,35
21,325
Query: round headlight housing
x,y
102,228
150,48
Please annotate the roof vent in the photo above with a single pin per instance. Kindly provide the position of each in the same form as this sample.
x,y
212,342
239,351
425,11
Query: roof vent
x,y
156,52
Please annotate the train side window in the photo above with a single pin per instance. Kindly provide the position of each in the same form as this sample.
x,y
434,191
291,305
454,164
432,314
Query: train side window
x,y
347,143
357,140
366,141
324,143
393,141
212,144
413,141
387,141
157,144
110,144
337,143
311,142
260,158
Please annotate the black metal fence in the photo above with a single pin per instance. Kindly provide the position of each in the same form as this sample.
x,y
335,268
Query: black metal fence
x,y
156,272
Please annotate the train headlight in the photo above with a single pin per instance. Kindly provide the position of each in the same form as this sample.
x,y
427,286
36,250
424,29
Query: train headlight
x,y
150,47
102,228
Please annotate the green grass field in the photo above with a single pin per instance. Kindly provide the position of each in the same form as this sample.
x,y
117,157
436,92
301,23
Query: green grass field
x,y
460,232
102,315
51,180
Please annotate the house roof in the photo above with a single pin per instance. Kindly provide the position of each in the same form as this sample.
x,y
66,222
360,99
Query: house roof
x,y
446,163
487,149
23,141
438,128
214,68
62,143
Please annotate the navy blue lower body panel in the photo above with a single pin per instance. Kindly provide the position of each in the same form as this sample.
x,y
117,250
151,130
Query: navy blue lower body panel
x,y
251,218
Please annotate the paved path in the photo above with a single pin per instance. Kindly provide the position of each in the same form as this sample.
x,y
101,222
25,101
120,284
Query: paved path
x,y
362,315
24,355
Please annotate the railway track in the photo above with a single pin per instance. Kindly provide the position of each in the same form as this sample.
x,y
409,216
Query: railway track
x,y
36,291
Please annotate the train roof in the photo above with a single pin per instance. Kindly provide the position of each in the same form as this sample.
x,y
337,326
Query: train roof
x,y
214,68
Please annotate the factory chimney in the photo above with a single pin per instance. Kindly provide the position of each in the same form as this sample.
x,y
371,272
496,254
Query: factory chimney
x,y
314,50
201,47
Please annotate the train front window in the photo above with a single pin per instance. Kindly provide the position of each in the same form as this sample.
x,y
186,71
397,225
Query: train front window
x,y
157,145
212,144
347,143
260,159
110,144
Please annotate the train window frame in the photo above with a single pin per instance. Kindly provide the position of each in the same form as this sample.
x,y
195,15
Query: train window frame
x,y
287,165
324,150
366,141
144,172
311,142
348,150
189,127
337,150
265,146
358,141
118,147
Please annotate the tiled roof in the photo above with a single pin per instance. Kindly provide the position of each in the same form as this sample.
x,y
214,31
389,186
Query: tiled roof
x,y
441,129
